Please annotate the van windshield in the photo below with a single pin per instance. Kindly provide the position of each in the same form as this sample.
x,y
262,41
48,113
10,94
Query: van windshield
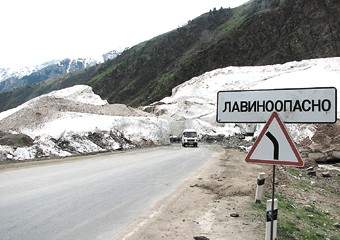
x,y
190,134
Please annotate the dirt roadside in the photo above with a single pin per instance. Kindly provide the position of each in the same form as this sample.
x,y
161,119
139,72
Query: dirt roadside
x,y
202,207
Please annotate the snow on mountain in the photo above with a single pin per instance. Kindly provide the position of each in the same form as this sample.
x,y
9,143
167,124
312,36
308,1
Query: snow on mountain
x,y
193,103
18,77
110,55
11,78
77,121
12,72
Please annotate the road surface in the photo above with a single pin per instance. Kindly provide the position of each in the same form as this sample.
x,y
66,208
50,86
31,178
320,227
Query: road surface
x,y
93,197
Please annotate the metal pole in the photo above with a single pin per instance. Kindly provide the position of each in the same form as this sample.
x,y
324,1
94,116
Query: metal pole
x,y
272,211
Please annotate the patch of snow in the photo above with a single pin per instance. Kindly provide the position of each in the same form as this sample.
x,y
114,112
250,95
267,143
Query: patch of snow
x,y
24,153
48,147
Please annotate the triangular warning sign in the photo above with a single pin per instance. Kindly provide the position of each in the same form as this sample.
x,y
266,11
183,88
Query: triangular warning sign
x,y
274,145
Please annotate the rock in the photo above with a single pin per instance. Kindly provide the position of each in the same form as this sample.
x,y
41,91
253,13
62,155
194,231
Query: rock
x,y
157,103
317,156
336,155
322,138
3,156
314,147
337,225
15,140
327,151
160,112
310,169
234,215
201,238
306,142
326,174
336,139
336,147
311,173
149,109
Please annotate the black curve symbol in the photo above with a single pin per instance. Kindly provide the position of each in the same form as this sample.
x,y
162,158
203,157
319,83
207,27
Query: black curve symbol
x,y
275,143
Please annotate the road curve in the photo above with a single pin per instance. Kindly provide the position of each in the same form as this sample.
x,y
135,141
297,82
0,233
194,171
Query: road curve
x,y
95,197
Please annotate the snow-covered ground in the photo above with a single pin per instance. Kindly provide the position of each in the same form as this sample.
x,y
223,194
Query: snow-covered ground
x,y
77,121
193,103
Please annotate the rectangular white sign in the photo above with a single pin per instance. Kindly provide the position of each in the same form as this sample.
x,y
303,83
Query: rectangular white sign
x,y
294,105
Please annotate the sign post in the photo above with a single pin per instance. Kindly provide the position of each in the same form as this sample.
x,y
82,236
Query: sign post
x,y
274,146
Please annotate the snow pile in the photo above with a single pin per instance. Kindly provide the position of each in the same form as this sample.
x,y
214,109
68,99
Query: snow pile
x,y
77,121
77,94
193,103
134,128
80,94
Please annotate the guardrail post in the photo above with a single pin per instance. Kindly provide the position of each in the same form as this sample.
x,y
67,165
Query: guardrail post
x,y
260,187
269,220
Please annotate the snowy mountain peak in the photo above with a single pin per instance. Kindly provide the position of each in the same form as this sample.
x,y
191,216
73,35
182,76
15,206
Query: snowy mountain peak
x,y
12,72
68,64
110,55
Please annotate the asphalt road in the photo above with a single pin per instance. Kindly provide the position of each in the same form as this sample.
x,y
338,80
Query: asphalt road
x,y
94,197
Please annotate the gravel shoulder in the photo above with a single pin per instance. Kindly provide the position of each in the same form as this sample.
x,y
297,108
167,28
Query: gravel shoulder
x,y
202,205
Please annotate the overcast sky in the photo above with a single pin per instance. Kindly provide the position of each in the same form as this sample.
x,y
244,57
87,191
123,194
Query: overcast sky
x,y
36,31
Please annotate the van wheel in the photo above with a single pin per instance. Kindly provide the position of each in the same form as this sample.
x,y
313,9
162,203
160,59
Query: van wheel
x,y
183,145
195,145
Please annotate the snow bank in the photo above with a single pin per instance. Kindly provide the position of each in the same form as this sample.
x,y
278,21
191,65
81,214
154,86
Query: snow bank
x,y
77,94
134,128
77,121
195,100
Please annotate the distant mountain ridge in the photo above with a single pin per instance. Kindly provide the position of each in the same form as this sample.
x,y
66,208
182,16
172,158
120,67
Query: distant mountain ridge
x,y
260,32
48,70
10,72
14,78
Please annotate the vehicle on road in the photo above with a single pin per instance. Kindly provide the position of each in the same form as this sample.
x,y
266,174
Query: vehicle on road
x,y
175,139
189,138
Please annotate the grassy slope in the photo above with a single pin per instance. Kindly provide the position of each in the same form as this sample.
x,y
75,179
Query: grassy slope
x,y
309,207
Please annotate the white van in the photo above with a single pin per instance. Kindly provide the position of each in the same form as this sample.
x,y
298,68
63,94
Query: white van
x,y
189,138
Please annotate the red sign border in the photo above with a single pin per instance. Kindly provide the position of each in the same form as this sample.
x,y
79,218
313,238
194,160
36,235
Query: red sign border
x,y
300,162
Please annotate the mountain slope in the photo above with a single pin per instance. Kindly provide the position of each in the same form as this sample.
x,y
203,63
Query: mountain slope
x,y
259,32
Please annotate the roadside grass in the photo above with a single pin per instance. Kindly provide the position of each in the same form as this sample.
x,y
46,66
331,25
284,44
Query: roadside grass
x,y
300,222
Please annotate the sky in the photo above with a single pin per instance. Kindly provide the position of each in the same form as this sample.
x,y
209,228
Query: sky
x,y
36,31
